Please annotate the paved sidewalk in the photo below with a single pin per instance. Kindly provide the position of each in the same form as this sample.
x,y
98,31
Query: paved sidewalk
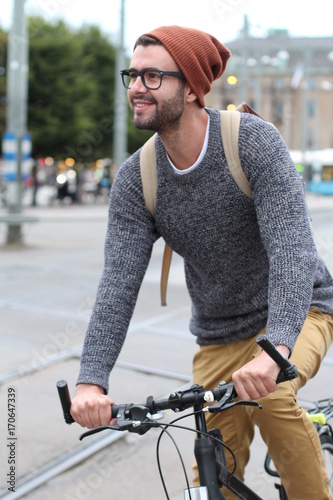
x,y
319,203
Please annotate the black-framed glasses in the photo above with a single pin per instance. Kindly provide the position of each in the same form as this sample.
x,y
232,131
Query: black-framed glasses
x,y
150,77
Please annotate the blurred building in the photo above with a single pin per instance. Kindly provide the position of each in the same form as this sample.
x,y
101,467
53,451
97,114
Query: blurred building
x,y
287,80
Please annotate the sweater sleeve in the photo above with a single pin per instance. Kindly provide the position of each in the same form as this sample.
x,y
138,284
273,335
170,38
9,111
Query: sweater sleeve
x,y
128,245
284,228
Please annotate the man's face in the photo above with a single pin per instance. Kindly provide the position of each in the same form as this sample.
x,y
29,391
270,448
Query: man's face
x,y
161,109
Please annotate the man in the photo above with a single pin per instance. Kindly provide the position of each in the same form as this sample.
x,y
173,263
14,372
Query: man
x,y
251,266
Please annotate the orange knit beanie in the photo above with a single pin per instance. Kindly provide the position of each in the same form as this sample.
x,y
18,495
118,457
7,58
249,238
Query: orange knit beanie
x,y
200,56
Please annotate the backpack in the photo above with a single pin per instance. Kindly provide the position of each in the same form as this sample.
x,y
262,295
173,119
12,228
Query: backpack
x,y
229,121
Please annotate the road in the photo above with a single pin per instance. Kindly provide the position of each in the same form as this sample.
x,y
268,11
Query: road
x,y
48,287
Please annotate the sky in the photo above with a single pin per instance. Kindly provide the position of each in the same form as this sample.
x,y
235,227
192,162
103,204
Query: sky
x,y
221,18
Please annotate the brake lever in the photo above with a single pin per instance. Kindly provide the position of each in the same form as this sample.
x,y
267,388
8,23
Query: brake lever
x,y
225,401
219,407
95,430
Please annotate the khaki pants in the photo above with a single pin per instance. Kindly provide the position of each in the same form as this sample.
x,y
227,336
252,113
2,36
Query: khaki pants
x,y
291,438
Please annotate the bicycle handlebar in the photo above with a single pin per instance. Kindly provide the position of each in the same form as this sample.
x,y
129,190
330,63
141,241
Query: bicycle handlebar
x,y
133,417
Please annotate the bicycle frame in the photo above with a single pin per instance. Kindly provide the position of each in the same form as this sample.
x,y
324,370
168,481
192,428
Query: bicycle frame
x,y
212,469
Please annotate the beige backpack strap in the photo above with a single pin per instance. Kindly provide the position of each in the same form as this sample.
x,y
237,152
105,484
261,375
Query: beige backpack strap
x,y
230,132
166,263
148,172
148,169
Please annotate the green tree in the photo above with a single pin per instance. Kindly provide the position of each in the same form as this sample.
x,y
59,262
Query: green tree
x,y
96,68
63,93
71,93
98,60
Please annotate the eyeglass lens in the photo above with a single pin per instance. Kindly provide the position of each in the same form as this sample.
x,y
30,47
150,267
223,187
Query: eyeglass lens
x,y
150,79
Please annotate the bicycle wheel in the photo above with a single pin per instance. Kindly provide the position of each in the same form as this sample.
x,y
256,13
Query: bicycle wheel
x,y
326,441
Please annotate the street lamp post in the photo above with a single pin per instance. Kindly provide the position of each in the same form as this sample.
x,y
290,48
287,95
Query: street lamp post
x,y
120,111
16,143
244,73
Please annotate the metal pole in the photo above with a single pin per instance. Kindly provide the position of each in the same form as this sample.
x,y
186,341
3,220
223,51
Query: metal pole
x,y
17,91
17,84
120,116
244,67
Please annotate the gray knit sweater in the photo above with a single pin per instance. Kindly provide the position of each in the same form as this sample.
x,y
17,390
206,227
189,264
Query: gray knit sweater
x,y
248,264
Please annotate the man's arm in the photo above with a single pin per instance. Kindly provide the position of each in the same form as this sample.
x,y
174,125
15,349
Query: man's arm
x,y
284,226
128,245
285,232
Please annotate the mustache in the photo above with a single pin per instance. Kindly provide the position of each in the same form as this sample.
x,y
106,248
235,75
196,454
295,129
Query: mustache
x,y
143,97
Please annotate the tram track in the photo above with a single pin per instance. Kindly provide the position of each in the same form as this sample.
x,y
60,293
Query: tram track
x,y
75,457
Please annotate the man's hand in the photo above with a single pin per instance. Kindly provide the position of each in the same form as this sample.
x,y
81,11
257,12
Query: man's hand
x,y
90,407
257,378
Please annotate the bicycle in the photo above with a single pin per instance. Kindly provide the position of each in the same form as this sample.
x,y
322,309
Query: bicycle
x,y
209,446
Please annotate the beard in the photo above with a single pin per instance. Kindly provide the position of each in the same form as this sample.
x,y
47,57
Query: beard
x,y
165,117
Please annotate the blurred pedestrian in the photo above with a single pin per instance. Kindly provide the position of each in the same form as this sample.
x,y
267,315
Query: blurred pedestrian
x,y
34,179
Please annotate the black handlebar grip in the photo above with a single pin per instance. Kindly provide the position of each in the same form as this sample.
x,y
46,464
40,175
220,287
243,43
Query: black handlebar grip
x,y
65,400
114,411
272,351
288,369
